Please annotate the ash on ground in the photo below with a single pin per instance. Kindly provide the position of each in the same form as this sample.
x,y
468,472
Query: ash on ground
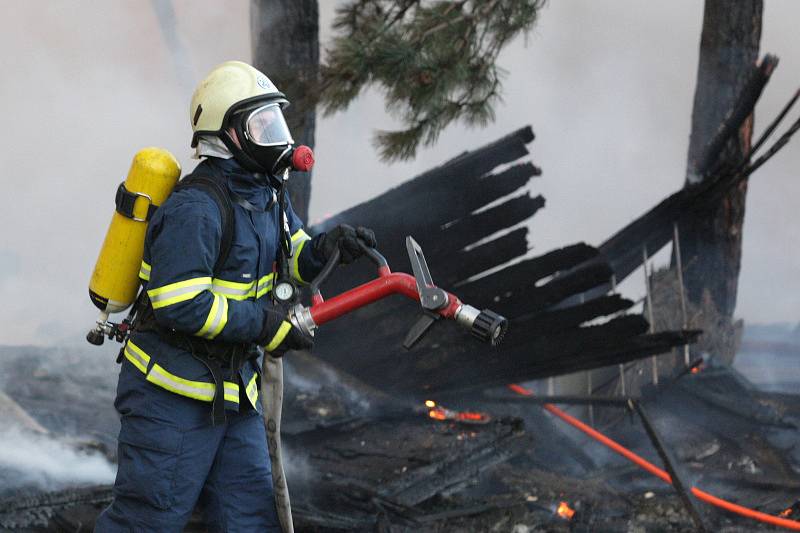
x,y
362,461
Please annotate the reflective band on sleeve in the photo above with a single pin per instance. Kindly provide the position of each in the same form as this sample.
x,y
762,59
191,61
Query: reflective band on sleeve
x,y
252,390
178,292
135,355
144,271
232,289
242,291
217,318
264,285
295,262
279,336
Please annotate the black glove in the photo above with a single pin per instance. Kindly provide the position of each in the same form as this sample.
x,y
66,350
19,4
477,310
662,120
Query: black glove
x,y
345,238
278,335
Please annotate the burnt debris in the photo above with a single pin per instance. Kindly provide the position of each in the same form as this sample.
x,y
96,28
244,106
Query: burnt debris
x,y
467,216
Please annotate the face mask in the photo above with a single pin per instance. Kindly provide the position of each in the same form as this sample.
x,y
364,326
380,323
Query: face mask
x,y
265,138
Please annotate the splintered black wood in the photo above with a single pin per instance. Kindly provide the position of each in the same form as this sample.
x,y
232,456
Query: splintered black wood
x,y
532,299
399,461
464,231
447,210
574,316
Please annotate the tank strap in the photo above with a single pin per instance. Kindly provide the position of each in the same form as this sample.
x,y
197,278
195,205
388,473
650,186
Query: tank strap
x,y
221,196
126,201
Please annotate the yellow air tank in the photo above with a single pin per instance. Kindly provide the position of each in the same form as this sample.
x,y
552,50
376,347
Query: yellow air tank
x,y
115,280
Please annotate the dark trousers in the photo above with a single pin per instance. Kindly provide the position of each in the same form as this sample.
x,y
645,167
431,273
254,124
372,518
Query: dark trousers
x,y
171,457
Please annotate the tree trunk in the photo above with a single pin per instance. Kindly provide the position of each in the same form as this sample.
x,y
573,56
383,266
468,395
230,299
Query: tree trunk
x,y
712,240
285,44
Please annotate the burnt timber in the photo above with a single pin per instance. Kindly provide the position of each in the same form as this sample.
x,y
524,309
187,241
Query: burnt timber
x,y
468,216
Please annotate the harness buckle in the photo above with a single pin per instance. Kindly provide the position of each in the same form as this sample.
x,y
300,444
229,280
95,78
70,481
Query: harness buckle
x,y
125,201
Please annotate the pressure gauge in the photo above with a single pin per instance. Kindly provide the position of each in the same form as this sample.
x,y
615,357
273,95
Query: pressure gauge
x,y
284,292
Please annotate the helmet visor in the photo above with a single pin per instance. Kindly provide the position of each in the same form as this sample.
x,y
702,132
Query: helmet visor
x,y
266,126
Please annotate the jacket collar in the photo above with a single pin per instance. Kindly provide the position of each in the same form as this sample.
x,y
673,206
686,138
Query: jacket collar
x,y
253,187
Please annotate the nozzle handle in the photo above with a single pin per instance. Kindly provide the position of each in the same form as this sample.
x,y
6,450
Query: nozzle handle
x,y
333,261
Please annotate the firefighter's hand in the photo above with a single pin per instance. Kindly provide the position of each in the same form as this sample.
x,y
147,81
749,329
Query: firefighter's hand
x,y
278,335
345,238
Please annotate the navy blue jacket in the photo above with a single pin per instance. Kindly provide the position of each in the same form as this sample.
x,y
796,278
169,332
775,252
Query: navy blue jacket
x,y
180,251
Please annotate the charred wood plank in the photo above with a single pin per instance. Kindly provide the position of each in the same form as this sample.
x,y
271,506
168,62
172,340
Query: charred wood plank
x,y
571,317
526,272
437,185
473,228
426,482
494,186
530,300
28,510
465,264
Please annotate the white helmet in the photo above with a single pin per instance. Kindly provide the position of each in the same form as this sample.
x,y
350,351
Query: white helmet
x,y
236,95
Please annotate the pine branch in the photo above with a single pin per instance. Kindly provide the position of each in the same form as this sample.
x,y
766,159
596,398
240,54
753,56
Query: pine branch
x,y
435,62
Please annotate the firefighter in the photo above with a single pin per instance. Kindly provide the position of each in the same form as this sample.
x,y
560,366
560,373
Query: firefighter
x,y
188,391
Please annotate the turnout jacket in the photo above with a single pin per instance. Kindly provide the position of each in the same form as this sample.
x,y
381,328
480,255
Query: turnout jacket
x,y
181,247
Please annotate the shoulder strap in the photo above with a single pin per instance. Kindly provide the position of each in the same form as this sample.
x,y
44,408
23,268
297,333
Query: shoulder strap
x,y
219,193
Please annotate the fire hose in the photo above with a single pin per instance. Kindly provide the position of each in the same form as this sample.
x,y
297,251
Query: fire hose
x,y
436,303
658,472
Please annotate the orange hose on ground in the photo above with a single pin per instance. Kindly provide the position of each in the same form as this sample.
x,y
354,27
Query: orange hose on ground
x,y
658,472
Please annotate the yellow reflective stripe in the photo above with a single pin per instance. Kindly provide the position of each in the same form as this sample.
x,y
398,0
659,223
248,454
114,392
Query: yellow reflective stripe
x,y
252,390
144,271
136,355
178,292
264,285
217,318
295,264
198,390
231,391
242,291
300,234
279,336
232,289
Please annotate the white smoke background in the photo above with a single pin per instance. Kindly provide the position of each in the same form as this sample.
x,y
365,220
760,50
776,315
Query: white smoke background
x,y
770,357
30,460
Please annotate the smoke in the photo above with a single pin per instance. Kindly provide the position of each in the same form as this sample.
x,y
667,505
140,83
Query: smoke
x,y
31,460
181,59
318,379
296,466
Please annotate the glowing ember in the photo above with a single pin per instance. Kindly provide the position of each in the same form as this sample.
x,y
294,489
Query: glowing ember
x,y
469,416
565,511
437,412
696,369
786,513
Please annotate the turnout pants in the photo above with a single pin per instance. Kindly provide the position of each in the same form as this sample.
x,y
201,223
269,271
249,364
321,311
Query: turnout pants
x,y
171,458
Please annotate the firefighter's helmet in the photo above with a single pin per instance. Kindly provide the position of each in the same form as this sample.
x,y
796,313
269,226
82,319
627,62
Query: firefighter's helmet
x,y
238,96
